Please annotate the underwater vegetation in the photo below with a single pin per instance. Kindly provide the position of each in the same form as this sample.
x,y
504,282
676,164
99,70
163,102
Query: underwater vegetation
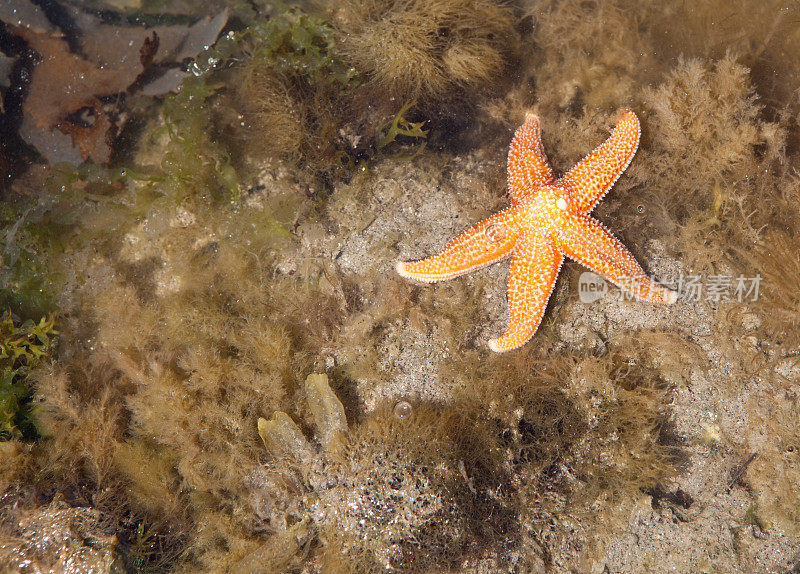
x,y
294,87
406,488
27,284
264,91
399,126
241,384
67,81
585,436
195,333
22,346
776,259
290,87
431,50
88,405
706,115
410,487
277,87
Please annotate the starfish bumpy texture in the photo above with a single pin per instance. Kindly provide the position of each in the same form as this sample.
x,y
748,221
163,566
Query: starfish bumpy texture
x,y
547,221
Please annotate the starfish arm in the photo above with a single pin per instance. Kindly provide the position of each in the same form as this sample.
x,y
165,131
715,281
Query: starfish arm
x,y
531,278
594,175
482,244
585,240
527,163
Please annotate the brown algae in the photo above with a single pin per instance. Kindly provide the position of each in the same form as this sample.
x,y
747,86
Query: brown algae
x,y
178,413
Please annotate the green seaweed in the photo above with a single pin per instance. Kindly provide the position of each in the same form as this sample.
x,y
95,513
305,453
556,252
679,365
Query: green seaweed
x,y
22,346
295,43
194,161
143,547
29,239
292,46
400,126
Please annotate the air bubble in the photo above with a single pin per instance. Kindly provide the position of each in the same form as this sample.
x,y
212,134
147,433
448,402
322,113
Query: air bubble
x,y
403,410
496,232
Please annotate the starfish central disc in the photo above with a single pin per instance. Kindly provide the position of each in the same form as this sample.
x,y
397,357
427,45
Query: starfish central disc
x,y
548,220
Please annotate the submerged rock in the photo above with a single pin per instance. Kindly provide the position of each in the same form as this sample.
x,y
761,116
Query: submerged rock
x,y
63,539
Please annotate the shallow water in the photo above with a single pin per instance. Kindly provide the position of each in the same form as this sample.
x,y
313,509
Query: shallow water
x,y
212,202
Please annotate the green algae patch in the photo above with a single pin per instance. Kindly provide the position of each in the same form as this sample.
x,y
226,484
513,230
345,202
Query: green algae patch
x,y
29,242
267,91
193,160
22,347
399,126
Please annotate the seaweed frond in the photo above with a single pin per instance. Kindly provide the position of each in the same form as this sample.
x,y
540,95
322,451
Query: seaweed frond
x,y
399,125
22,347
426,49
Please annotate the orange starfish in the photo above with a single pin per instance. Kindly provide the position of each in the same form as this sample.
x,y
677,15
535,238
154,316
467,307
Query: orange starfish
x,y
548,220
